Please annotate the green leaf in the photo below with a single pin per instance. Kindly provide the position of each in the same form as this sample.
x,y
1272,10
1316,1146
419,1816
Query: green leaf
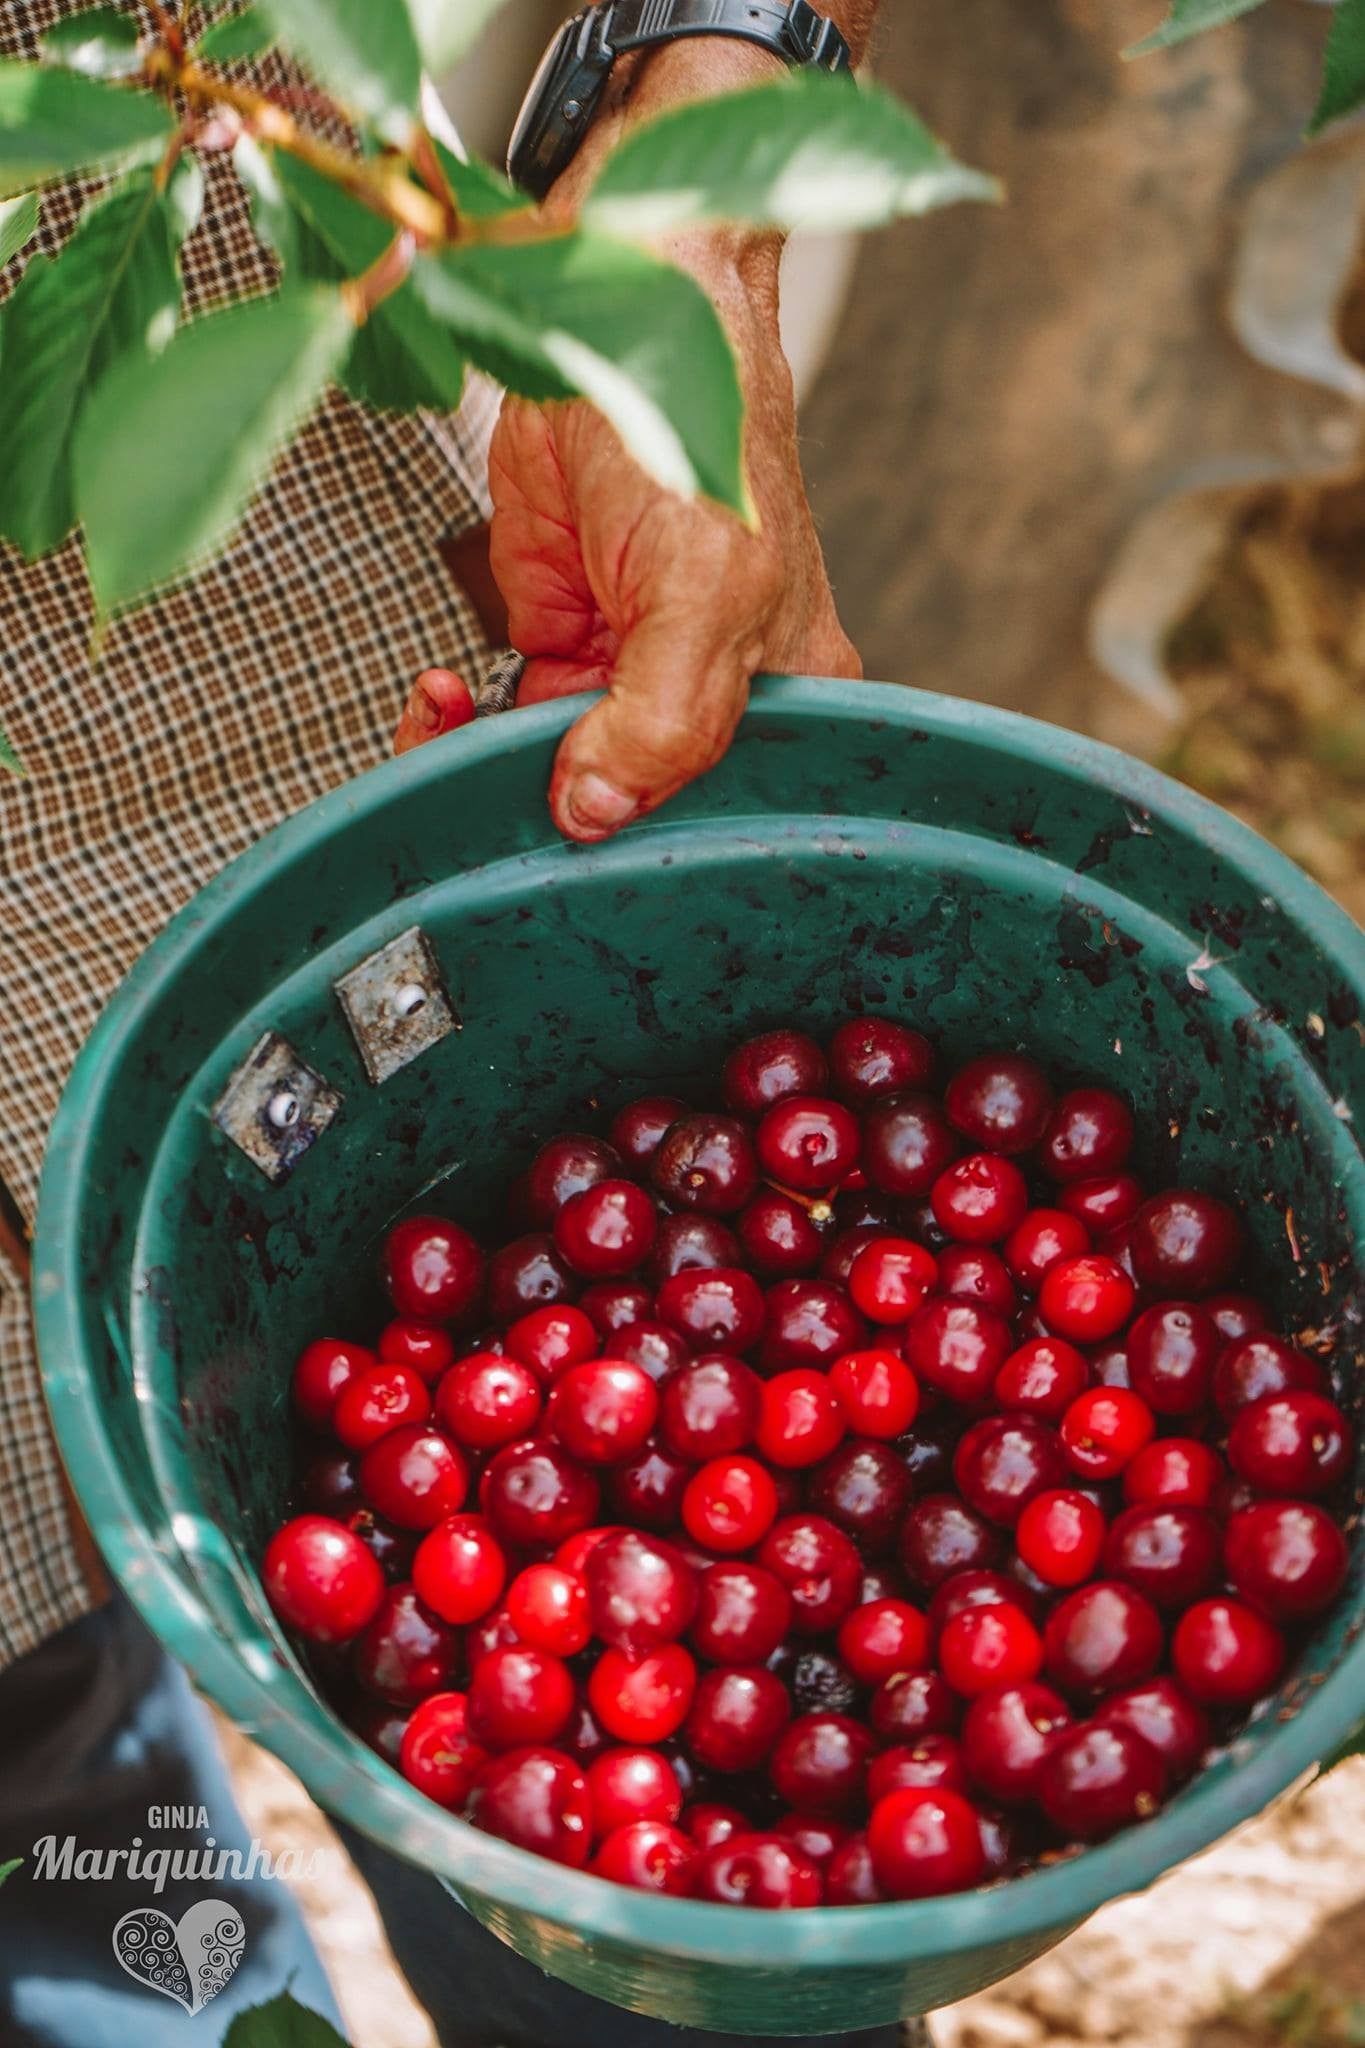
x,y
402,357
283,2023
447,28
807,151
11,760
112,292
480,192
169,452
18,222
581,315
55,122
100,42
1343,67
364,51
235,38
1190,18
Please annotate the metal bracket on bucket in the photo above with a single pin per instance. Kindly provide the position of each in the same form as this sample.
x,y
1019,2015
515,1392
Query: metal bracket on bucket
x,y
275,1106
396,1004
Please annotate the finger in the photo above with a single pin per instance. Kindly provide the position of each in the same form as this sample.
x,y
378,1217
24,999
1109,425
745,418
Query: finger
x,y
675,700
547,677
439,701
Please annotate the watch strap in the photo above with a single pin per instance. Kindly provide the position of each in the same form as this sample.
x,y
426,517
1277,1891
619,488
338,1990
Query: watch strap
x,y
794,31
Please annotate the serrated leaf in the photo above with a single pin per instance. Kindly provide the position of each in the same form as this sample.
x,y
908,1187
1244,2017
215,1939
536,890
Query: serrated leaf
x,y
1343,65
18,224
582,315
283,2023
807,151
99,42
168,453
447,28
480,192
53,123
402,357
364,51
112,291
235,38
1190,18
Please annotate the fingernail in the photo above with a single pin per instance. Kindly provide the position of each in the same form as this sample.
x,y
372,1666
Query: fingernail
x,y
597,806
423,710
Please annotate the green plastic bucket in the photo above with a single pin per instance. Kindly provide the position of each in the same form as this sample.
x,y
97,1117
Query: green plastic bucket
x,y
860,848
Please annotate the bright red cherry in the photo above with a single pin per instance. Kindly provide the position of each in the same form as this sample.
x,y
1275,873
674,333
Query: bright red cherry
x,y
1104,1429
415,1477
1001,1102
1008,1736
459,1569
706,1162
1176,1472
808,1323
1185,1243
1060,1535
808,1143
1170,1554
1164,1716
710,1407
719,1308
957,1348
780,1236
980,1199
602,1411
405,1651
819,1762
321,1580
548,1340
890,1277
771,1068
877,1391
736,1716
1041,1378
819,1567
438,1754
1039,1241
537,1799
883,1637
643,1700
649,1856
729,1504
607,1230
907,1142
627,1785
1101,1637
763,1871
434,1271
534,1494
426,1347
986,1647
519,1695
1089,1132
709,1823
1098,1778
934,1761
1287,1557
383,1398
1004,1461
1226,1654
871,1057
323,1372
642,1592
743,1614
800,1419
637,1130
1086,1298
925,1842
1105,1203
1298,1443
487,1400
548,1608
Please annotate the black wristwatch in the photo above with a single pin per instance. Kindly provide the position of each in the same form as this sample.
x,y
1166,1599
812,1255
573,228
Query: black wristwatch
x,y
573,73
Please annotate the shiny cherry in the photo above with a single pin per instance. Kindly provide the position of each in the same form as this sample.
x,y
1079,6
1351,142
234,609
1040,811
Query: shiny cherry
x,y
1166,1717
627,1785
1060,1536
877,1392
1287,1557
649,1488
718,1308
925,1842
637,1130
1298,1444
607,1230
690,1242
1086,1298
743,1614
1098,1778
647,1855
567,1166
611,1305
641,1591
706,1162
519,1695
1103,1429
800,1419
872,1057
849,1877
426,1347
983,1648
1226,1654
819,1567
380,1399
434,1270
1171,1554
415,1476
882,1637
1176,1471
956,1348
1008,1736
1089,1132
907,1143
975,1273
736,1716
460,1569
780,1237
807,1142
980,1199
650,1344
528,1274
942,1535
1185,1243
437,1752
1101,1637
321,1580
770,1068
1259,1364
534,1493
602,1411
762,1871
808,1323
537,1799
863,1488
889,1278
1004,1461
643,1700
1001,1102
819,1762
911,1704
1172,1350
1041,1378
934,1761
729,1504
710,1407
487,1400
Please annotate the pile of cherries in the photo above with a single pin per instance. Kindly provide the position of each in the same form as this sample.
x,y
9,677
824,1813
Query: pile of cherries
x,y
851,1494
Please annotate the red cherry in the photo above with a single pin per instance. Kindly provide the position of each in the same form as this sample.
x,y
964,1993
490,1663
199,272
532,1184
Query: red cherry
x,y
907,1142
1089,1132
729,1504
1165,1717
548,1608
415,1477
980,1199
1104,1429
877,1392
1185,1243
716,1309
1105,1203
324,1370
1039,1241
459,1569
1172,1351
607,1230
1258,1364
1226,1654
709,1823
743,1614
1098,1778
321,1580
863,1488
1001,1101
1008,1736
935,1761
890,1277
1170,1554
819,1567
649,1488
405,1651
643,1699
602,1411
434,1271
1041,1378
770,1068
438,1754
942,1535
573,1553
814,1835
736,1716
986,1647
808,1143
871,1057
426,1347
1287,1557
383,1398
1086,1298
763,1871
533,1493
957,1348
975,1273
819,1762
779,1237
641,1591
849,1876
628,1785
637,1130
977,1588
1003,1462
487,1400
1060,1536
883,1637
519,1695
808,1323
1103,1636
912,1704
1177,1472
548,1340
651,1345
690,1242
710,1407
611,1305
536,1799
526,1275
800,1419
706,1162
925,1842
649,1856
1298,1443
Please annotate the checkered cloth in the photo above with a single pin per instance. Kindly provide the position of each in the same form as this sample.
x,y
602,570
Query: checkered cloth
x,y
213,714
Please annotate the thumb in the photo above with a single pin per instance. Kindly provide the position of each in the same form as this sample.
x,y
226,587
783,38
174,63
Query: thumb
x,y
674,701
438,702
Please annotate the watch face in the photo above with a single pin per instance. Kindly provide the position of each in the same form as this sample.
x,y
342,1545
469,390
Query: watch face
x,y
570,73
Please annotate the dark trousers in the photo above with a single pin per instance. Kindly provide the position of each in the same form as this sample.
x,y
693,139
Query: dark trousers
x,y
97,1730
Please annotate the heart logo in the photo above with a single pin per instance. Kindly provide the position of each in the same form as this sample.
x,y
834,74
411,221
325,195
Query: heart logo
x,y
191,1959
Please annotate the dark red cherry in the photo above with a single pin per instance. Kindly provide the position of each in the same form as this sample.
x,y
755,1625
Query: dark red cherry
x,y
1226,1654
690,1243
849,1876
1004,1461
780,1237
1287,1557
1236,1316
1259,1364
537,1799
637,1129
1164,1716
652,1345
1105,1203
1172,1351
769,1069
737,1714
605,1232
611,1305
648,1489
1099,1778
1008,1737
926,1451
330,1484
863,1488
706,1162
764,1871
1089,1132
818,1682
527,1274
981,1199
709,1407
912,1704
808,1323
434,1270
819,1567
907,1143
957,1348
1185,1243
819,1763
565,1167
1101,1637
1170,1554
535,1494
934,1762
1000,1102
942,1535
641,1591
871,1057
975,1273
743,1614
717,1309
808,1142
1042,1378
405,1651
1297,1443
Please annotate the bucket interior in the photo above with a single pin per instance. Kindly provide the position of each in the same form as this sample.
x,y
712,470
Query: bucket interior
x,y
989,881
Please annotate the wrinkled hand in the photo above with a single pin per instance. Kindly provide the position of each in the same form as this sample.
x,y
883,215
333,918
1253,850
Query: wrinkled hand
x,y
670,606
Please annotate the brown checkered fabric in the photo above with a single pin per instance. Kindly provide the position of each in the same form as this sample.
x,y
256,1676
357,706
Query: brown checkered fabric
x,y
213,714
